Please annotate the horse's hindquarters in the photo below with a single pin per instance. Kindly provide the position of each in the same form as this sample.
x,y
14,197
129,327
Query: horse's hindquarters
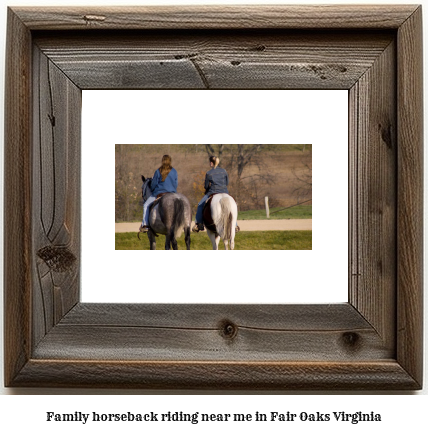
x,y
155,221
171,217
224,212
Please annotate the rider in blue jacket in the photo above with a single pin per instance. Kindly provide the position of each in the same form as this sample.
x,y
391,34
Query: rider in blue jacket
x,y
216,181
165,180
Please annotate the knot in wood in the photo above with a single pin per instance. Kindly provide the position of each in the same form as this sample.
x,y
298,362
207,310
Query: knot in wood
x,y
228,330
258,48
386,134
351,340
58,259
94,18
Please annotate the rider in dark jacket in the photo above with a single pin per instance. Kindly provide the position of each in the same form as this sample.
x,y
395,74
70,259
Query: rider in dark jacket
x,y
216,181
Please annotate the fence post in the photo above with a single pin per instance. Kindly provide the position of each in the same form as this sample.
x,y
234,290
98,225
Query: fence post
x,y
267,206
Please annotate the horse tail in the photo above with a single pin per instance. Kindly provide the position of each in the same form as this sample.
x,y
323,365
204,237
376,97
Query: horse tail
x,y
178,221
226,218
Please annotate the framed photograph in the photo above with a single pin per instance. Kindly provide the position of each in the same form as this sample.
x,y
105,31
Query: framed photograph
x,y
262,180
371,341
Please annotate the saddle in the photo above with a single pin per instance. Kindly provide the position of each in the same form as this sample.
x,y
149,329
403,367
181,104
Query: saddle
x,y
156,201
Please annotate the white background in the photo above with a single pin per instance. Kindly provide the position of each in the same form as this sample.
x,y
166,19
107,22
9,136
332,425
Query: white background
x,y
400,413
225,116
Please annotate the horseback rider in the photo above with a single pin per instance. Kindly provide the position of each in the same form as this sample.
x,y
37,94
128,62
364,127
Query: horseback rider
x,y
165,180
216,181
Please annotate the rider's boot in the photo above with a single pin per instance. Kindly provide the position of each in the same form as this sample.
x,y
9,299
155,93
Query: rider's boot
x,y
198,227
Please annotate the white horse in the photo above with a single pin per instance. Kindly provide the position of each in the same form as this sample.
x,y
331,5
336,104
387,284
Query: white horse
x,y
220,217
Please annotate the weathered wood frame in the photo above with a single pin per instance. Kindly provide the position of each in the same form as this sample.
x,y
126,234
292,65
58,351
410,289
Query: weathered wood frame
x,y
372,342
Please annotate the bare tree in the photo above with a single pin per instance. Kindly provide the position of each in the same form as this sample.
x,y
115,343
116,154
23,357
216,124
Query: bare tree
x,y
303,178
126,193
236,159
238,156
211,150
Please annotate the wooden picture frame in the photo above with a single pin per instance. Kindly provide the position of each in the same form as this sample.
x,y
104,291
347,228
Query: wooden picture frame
x,y
372,342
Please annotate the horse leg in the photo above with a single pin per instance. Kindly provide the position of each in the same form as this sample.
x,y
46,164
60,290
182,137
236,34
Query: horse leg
x,y
232,239
213,239
187,237
174,243
225,242
152,239
172,238
168,240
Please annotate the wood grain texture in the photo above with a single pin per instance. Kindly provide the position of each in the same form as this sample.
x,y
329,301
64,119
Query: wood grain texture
x,y
216,17
372,342
216,59
341,317
17,198
410,196
373,177
199,332
56,194
385,375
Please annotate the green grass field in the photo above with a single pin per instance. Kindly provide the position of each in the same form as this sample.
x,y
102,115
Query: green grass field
x,y
257,240
296,212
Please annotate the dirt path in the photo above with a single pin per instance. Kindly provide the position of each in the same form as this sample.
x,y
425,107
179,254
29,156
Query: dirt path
x,y
245,225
